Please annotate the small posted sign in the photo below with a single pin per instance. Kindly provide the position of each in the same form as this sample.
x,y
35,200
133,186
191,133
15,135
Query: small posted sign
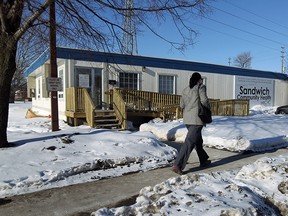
x,y
54,84
84,81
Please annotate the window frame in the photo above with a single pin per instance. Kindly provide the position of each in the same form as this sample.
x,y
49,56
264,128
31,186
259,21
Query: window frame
x,y
127,86
173,83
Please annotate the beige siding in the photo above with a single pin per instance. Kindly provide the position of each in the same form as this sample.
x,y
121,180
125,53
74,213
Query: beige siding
x,y
281,93
220,86
31,87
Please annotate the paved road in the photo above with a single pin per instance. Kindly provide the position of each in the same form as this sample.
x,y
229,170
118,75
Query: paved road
x,y
82,199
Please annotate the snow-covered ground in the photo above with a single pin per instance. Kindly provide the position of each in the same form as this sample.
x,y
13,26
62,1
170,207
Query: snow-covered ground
x,y
257,189
42,159
262,130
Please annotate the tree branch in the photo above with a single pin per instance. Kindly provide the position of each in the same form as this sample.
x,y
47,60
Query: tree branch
x,y
18,34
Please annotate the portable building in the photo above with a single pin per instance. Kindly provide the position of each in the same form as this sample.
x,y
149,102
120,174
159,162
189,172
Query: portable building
x,y
100,71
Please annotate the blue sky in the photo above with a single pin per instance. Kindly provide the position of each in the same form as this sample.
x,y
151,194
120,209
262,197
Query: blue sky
x,y
256,26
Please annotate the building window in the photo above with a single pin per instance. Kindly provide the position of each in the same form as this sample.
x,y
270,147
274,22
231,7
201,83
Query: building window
x,y
166,84
128,80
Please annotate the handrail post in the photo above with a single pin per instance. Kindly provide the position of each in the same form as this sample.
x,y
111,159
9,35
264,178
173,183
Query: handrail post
x,y
75,95
150,101
248,107
177,112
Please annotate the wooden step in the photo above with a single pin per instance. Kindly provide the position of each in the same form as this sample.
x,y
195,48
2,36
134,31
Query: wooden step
x,y
108,126
106,116
106,119
104,112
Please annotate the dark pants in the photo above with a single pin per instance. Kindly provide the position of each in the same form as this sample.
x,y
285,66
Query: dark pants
x,y
192,140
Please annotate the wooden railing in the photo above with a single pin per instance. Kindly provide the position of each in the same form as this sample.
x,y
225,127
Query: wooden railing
x,y
89,108
74,100
230,107
169,107
170,112
166,105
120,108
79,104
144,100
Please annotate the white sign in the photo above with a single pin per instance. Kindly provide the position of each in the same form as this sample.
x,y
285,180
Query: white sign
x,y
54,84
84,81
259,91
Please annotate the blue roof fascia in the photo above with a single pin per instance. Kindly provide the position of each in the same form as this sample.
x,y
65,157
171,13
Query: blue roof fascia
x,y
44,57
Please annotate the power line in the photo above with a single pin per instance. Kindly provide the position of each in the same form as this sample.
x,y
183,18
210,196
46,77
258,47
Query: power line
x,y
249,21
239,38
256,15
283,60
245,31
251,34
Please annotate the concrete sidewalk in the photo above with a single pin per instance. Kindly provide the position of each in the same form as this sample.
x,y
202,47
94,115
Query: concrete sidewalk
x,y
82,199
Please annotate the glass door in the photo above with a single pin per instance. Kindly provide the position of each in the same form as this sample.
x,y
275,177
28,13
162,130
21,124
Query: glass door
x,y
98,88
94,85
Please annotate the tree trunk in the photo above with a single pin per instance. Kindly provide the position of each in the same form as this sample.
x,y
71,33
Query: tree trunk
x,y
7,70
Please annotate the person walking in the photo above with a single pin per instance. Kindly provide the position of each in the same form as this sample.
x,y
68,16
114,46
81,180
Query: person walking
x,y
190,103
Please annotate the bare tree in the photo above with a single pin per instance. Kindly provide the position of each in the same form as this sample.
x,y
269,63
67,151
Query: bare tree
x,y
29,47
243,60
94,24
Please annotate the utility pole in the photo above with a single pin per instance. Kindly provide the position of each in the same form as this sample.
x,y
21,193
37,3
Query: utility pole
x,y
53,67
229,61
283,59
